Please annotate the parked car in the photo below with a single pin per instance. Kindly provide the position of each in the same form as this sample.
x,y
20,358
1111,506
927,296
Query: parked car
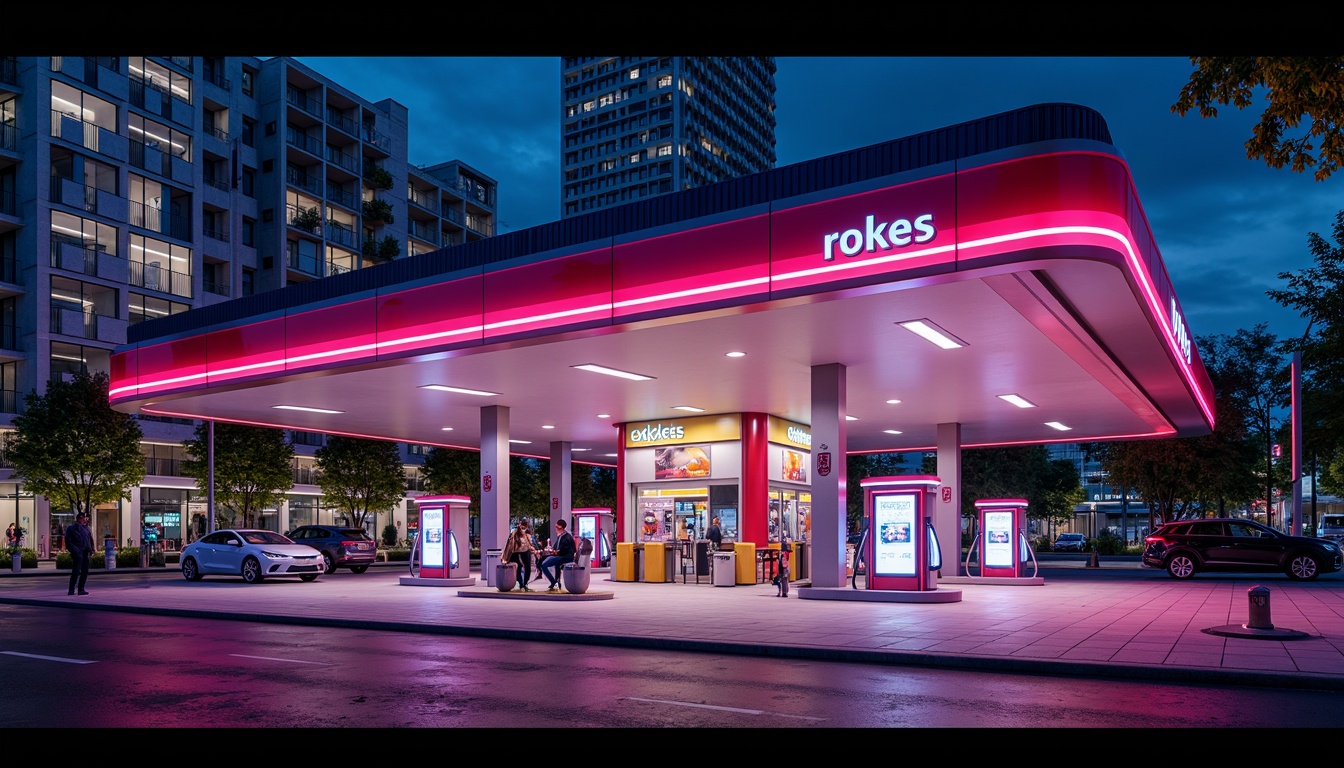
x,y
1186,547
1070,542
250,553
1331,527
341,546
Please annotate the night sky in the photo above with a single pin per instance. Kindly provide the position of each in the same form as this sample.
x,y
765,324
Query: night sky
x,y
1225,225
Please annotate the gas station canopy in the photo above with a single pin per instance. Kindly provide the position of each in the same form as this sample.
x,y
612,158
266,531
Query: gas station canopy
x,y
1018,237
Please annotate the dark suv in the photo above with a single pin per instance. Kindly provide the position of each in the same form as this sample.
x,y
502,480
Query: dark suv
x,y
341,546
1187,547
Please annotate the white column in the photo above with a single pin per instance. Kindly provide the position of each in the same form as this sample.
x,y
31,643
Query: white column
x,y
562,502
828,475
494,477
947,514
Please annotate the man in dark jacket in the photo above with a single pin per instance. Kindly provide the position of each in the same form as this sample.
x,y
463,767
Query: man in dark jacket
x,y
79,543
560,554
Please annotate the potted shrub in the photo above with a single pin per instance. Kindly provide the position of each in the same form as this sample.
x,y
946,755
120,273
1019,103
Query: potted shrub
x,y
308,219
378,209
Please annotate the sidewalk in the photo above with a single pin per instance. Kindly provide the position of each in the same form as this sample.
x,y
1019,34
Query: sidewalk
x,y
1117,621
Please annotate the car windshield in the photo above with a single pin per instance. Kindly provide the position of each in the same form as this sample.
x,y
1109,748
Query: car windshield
x,y
357,533
265,537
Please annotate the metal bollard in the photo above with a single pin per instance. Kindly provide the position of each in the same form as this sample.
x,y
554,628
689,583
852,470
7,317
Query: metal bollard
x,y
1259,608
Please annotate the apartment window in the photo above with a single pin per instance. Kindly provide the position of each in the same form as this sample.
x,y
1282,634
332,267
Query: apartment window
x,y
159,137
82,297
249,132
160,266
69,359
249,182
142,307
665,150
83,171
68,102
9,383
249,282
249,77
79,232
249,232
634,73
161,78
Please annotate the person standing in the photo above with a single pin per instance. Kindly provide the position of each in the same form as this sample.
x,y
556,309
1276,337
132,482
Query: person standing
x,y
561,553
79,543
518,550
785,555
11,536
715,534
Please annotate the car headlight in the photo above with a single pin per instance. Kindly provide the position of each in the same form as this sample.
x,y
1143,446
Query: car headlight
x,y
275,555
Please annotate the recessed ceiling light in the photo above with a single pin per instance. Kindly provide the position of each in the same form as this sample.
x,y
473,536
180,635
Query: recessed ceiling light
x,y
521,442
893,402
604,415
1057,425
736,354
610,455
929,331
612,372
460,390
548,426
851,418
690,408
580,450
447,429
1020,402
304,408
893,431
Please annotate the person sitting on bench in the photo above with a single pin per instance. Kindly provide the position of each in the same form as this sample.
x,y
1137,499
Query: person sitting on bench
x,y
557,556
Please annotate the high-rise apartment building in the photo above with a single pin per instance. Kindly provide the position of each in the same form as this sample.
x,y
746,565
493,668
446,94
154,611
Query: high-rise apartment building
x,y
136,187
634,127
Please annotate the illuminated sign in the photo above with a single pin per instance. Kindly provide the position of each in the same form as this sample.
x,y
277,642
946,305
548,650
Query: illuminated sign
x,y
999,539
894,544
799,436
788,432
653,432
874,237
1179,332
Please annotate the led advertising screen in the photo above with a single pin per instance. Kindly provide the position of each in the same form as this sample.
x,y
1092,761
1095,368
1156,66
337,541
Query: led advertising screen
x,y
431,527
587,527
680,461
894,544
999,539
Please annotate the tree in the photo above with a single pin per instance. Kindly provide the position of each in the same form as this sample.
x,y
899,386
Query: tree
x,y
359,476
70,446
1317,293
1050,486
859,466
1251,376
1294,87
453,470
253,469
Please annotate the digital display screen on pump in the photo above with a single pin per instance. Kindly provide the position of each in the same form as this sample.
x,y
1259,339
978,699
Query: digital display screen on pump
x,y
431,547
894,544
587,527
999,539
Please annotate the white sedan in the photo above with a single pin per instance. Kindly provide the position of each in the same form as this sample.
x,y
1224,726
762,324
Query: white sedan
x,y
251,553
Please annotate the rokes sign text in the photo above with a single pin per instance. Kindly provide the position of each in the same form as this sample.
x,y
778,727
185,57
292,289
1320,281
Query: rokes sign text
x,y
879,236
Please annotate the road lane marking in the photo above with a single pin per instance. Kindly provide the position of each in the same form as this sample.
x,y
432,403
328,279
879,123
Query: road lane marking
x,y
49,658
272,658
738,710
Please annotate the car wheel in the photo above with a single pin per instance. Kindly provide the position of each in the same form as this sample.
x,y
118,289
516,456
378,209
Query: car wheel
x,y
309,577
328,563
190,571
358,568
1181,566
252,571
1302,567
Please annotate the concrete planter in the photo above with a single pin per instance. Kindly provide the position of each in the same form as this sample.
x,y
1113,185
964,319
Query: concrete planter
x,y
506,576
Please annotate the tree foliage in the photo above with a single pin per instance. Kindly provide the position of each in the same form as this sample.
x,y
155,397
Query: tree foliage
x,y
1050,486
359,476
861,465
1304,105
70,446
253,469
1317,293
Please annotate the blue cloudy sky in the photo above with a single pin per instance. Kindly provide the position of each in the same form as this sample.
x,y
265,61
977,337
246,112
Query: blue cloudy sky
x,y
1226,225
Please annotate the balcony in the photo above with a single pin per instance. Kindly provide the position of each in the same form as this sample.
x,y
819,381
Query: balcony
x,y
340,196
297,177
218,232
152,277
375,139
304,102
345,160
424,232
212,75
215,287
309,144
341,122
342,234
163,467
169,223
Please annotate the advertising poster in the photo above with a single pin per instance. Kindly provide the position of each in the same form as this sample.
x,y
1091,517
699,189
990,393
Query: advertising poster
x,y
793,466
998,539
431,523
894,547
655,519
727,522
681,461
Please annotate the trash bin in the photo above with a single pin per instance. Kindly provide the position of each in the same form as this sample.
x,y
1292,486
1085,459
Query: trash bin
x,y
725,569
746,562
671,555
626,564
799,562
656,563
492,558
702,559
575,578
109,553
506,576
